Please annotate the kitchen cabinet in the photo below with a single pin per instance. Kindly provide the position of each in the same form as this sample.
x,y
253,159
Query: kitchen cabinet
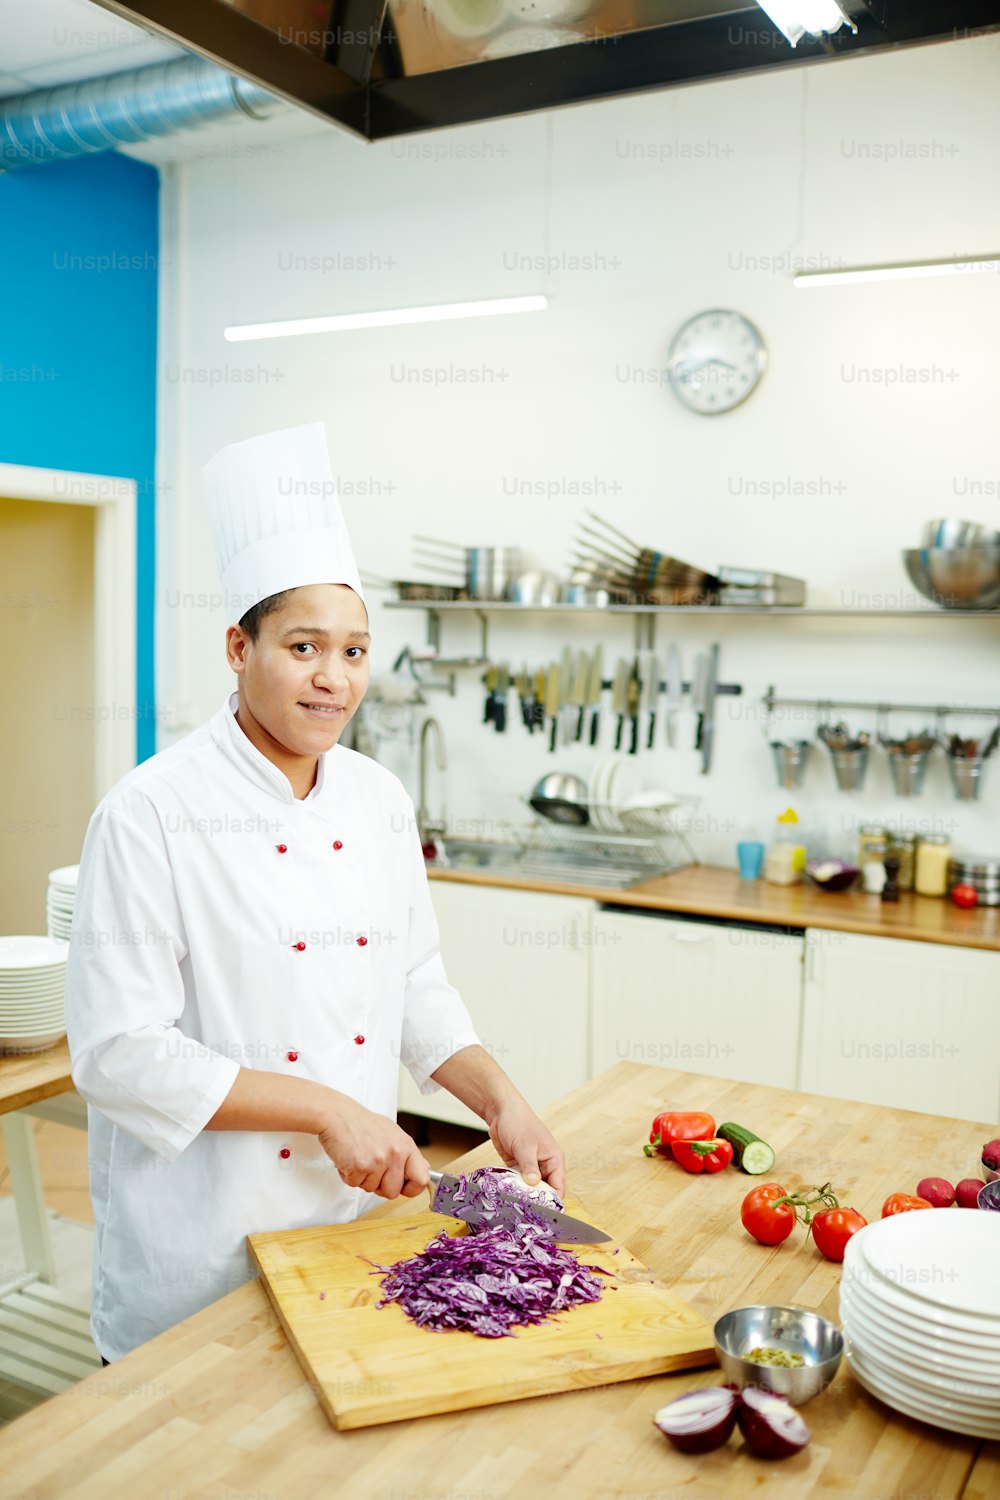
x,y
908,1025
520,961
705,997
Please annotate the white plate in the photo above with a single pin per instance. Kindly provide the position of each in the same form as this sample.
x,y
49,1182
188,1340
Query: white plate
x,y
625,780
65,875
20,952
971,1395
970,1426
916,1314
34,1021
979,1381
942,1404
601,775
945,1349
947,1257
13,1045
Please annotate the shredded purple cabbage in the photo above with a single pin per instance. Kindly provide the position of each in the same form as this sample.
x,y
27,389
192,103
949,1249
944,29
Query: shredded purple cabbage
x,y
489,1190
496,1279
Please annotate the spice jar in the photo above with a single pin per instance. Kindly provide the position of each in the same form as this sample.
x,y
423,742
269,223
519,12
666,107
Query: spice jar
x,y
933,854
903,846
872,849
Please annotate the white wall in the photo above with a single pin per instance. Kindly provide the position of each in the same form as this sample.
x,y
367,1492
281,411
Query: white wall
x,y
644,211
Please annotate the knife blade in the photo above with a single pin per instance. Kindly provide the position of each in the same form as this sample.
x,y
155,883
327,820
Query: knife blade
x,y
595,688
565,689
565,1229
580,684
619,697
633,706
538,706
675,691
708,721
552,702
649,684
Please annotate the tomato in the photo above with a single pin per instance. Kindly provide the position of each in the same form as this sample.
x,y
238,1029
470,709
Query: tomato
x,y
902,1203
678,1126
833,1227
769,1222
964,895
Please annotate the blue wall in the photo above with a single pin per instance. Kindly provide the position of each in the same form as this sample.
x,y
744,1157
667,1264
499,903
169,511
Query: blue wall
x,y
78,272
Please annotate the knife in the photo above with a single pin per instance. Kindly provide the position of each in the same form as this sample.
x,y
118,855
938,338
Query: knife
x,y
552,701
490,680
503,691
565,1230
595,687
648,689
708,721
698,685
580,684
538,707
654,667
565,689
619,697
633,705
675,692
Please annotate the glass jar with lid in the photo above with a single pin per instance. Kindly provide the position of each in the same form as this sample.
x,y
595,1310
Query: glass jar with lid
x,y
933,854
872,848
903,846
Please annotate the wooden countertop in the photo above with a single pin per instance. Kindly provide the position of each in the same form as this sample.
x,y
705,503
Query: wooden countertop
x,y
38,1075
219,1406
712,891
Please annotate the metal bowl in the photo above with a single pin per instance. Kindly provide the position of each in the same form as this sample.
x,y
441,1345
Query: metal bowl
x,y
948,534
819,1341
561,797
989,1195
956,577
536,588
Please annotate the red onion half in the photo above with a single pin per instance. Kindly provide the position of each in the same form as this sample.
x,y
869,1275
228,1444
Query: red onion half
x,y
770,1426
699,1420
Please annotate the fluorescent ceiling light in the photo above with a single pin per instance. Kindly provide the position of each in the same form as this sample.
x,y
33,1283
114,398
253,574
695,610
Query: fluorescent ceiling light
x,y
799,18
906,271
338,322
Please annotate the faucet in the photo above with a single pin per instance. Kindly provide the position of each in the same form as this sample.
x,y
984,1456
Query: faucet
x,y
429,831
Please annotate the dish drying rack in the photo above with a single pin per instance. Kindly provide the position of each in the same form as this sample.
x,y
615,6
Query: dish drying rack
x,y
610,849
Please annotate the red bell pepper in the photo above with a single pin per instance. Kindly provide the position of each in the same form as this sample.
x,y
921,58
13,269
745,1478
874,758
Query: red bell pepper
x,y
673,1126
703,1156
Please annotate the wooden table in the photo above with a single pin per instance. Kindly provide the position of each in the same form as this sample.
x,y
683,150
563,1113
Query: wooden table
x,y
713,891
218,1406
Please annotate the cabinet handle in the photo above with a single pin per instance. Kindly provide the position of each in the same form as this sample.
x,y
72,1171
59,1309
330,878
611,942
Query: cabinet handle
x,y
692,937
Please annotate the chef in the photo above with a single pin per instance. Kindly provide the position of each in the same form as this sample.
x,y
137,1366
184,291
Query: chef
x,y
254,950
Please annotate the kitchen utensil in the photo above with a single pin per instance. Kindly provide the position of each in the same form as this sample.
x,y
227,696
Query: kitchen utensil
x,y
586,596
848,752
503,692
816,1339
790,759
581,683
956,577
633,706
757,586
652,694
372,1365
908,772
946,535
538,706
595,688
750,857
552,702
619,698
561,797
832,874
966,777
564,1229
409,591
698,686
490,683
538,589
708,713
675,691
490,571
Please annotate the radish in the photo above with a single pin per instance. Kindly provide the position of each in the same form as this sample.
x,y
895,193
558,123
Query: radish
x,y
967,1192
991,1155
937,1190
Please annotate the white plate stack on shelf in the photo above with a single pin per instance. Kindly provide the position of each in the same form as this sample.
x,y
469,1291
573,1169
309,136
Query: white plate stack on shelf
x,y
920,1310
59,901
32,986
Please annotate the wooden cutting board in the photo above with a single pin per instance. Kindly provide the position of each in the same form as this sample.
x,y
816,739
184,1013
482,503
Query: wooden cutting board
x,y
370,1365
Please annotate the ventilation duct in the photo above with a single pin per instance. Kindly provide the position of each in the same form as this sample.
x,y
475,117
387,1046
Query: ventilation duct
x,y
78,119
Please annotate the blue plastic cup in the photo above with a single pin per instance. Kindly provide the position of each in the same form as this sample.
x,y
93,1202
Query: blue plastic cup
x,y
751,858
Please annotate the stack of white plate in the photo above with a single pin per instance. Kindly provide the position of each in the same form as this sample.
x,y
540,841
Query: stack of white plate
x,y
32,983
920,1309
59,901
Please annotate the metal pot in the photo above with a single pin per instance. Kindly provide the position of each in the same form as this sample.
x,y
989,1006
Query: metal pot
x,y
491,570
536,588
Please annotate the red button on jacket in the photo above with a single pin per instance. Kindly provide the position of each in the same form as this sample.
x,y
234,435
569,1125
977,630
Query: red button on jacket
x,y
360,1040
293,1057
299,947
362,941
337,844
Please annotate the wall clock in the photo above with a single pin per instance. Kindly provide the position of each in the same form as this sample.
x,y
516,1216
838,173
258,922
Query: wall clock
x,y
715,360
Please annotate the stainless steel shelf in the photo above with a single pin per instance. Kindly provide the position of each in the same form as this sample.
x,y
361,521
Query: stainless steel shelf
x,y
504,606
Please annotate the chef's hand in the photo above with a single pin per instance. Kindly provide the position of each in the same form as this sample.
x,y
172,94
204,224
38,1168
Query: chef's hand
x,y
522,1141
371,1152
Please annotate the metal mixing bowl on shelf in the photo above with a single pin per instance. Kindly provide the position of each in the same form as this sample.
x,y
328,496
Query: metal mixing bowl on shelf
x,y
956,577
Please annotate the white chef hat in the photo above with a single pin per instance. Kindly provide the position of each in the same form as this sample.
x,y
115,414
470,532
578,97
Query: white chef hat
x,y
275,517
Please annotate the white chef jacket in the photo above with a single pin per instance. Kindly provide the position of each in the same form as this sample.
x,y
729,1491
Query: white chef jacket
x,y
220,922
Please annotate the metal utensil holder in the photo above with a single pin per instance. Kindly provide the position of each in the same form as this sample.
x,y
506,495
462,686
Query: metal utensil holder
x,y
790,759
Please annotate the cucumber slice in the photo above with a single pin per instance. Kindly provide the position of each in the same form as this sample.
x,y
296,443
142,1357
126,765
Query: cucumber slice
x,y
750,1153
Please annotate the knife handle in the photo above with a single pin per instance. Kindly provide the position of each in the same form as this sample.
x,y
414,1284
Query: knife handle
x,y
552,738
618,732
652,732
579,724
634,745
595,720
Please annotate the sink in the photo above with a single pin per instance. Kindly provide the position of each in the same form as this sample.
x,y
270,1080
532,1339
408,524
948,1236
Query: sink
x,y
569,867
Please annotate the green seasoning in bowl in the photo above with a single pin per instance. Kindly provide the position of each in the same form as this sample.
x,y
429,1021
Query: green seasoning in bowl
x,y
784,1358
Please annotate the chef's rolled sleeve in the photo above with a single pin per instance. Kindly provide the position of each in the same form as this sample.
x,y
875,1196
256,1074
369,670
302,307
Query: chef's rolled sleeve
x,y
125,990
436,1023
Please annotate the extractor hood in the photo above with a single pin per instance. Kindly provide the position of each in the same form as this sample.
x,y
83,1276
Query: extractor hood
x,y
389,67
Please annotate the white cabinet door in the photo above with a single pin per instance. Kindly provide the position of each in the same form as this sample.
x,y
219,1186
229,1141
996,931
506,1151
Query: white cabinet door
x,y
699,996
910,1025
520,961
